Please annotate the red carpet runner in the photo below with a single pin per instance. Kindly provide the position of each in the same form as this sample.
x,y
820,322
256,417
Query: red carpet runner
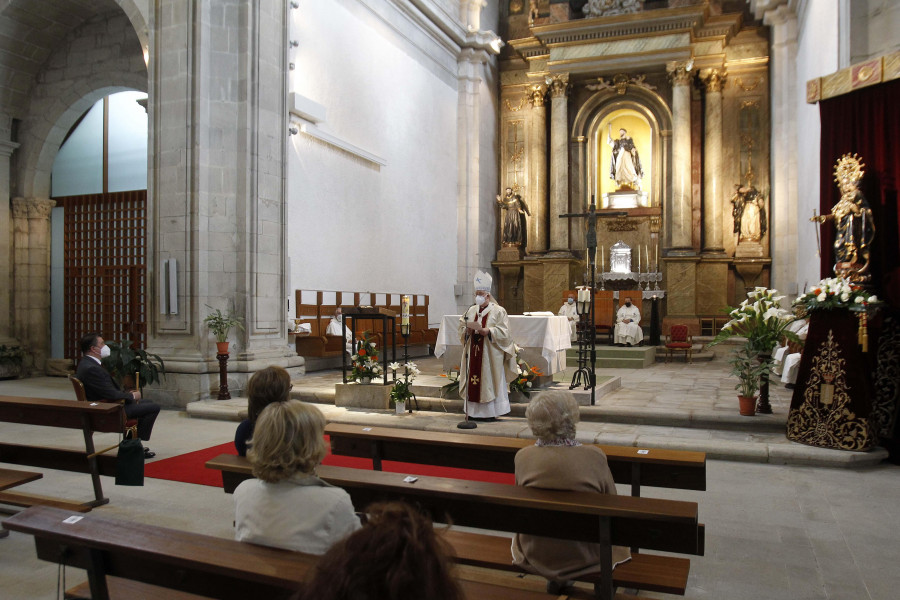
x,y
190,467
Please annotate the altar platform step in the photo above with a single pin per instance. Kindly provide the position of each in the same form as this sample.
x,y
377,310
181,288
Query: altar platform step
x,y
618,357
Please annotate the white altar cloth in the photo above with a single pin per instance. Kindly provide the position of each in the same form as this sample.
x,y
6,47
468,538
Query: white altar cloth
x,y
544,340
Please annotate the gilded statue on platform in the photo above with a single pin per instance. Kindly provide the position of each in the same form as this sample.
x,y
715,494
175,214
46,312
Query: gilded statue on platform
x,y
625,166
853,224
749,213
513,210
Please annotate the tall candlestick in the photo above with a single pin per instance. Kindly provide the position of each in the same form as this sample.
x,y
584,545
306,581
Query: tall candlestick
x,y
647,256
656,254
404,310
639,259
602,259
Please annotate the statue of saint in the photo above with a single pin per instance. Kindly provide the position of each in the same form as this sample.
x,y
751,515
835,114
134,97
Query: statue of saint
x,y
608,8
852,221
625,166
513,210
749,213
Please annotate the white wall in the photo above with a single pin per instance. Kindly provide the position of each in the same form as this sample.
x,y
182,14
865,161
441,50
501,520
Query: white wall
x,y
817,55
354,225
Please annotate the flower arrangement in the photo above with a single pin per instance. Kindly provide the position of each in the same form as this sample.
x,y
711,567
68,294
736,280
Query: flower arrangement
x,y
452,386
364,364
761,320
524,381
401,392
11,355
836,292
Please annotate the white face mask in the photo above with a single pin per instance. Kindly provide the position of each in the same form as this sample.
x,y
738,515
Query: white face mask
x,y
479,300
338,318
571,300
104,351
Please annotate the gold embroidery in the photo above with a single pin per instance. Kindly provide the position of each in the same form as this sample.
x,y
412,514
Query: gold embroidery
x,y
474,379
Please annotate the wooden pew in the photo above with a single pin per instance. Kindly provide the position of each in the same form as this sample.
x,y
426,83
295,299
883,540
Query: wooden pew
x,y
635,522
87,416
639,467
10,479
134,560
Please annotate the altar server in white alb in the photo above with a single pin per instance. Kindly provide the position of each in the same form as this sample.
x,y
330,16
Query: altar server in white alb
x,y
489,356
569,311
628,325
335,327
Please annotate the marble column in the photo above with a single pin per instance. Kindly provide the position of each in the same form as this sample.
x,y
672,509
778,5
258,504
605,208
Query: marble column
x,y
6,235
713,193
559,163
679,204
537,233
32,275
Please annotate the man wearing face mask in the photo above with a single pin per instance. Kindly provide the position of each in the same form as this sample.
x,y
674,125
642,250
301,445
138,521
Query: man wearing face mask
x,y
628,328
569,311
99,386
335,328
489,356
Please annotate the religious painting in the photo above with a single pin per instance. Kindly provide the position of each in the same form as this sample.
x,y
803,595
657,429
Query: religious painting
x,y
623,147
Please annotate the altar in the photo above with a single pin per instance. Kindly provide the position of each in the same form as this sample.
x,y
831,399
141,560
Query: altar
x,y
544,340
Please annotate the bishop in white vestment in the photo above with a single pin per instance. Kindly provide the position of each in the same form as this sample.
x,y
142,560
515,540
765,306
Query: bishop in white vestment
x,y
488,357
628,325
569,311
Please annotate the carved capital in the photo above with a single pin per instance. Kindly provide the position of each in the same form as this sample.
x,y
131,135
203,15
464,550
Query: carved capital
x,y
713,79
559,85
680,72
20,208
32,208
537,94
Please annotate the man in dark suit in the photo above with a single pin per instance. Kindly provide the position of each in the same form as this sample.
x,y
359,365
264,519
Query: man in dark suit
x,y
99,386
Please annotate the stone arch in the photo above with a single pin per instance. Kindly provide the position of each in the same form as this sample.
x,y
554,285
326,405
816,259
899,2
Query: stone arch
x,y
652,107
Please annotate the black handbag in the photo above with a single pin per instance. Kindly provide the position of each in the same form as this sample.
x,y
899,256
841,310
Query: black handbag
x,y
130,463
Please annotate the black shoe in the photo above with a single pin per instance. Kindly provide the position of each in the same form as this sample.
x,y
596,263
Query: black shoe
x,y
148,453
557,587
483,419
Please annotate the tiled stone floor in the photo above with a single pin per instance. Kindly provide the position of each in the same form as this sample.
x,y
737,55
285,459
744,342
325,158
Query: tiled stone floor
x,y
778,532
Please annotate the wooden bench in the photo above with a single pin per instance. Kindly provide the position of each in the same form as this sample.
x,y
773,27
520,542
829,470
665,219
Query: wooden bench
x,y
640,467
134,560
69,414
665,525
10,479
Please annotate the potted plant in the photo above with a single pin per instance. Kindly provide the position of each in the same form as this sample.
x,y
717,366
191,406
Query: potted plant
x,y
524,381
220,324
401,393
451,388
124,362
11,359
364,363
746,366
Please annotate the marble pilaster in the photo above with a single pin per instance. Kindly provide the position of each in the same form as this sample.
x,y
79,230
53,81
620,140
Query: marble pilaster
x,y
679,203
712,285
7,147
545,281
713,193
537,233
681,286
559,163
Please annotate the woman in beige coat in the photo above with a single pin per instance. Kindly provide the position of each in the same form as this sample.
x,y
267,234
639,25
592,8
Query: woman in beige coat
x,y
558,462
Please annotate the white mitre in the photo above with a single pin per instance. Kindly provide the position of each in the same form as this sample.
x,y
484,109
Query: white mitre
x,y
483,282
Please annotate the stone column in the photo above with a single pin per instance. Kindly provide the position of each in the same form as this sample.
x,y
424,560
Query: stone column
x,y
537,233
713,193
32,275
679,204
559,163
6,235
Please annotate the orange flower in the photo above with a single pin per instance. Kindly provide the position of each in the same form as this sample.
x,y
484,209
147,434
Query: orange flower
x,y
521,380
443,375
362,352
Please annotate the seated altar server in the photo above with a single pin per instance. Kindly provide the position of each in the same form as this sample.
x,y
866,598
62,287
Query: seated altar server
x,y
628,325
488,357
569,311
792,361
335,328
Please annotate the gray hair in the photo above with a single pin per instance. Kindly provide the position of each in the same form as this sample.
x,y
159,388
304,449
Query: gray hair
x,y
552,415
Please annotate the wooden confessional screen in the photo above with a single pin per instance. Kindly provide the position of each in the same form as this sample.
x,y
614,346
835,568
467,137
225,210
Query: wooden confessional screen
x,y
105,266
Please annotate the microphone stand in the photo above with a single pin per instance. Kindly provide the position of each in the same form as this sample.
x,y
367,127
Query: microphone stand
x,y
467,424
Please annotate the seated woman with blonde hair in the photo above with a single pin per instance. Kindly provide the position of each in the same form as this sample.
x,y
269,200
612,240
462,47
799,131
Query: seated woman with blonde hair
x,y
287,506
272,384
397,555
558,462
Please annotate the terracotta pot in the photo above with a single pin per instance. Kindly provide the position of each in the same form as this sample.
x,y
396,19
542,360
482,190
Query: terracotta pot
x,y
748,405
222,347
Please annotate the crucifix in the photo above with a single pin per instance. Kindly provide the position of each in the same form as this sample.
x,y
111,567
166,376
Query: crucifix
x,y
584,375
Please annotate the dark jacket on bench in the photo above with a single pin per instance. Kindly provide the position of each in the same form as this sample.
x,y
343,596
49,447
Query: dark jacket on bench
x,y
99,387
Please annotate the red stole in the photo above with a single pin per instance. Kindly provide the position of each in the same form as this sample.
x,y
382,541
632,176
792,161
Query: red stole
x,y
476,356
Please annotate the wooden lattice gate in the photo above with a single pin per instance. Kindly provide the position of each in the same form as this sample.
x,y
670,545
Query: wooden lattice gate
x,y
105,267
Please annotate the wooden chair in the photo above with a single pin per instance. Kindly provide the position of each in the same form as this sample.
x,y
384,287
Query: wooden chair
x,y
679,340
129,427
604,313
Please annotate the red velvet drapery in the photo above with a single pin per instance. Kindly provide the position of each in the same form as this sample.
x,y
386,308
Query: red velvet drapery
x,y
867,122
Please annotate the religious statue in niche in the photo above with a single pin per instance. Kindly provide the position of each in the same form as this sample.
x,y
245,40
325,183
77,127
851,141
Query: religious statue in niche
x,y
607,8
513,210
749,213
852,221
625,166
